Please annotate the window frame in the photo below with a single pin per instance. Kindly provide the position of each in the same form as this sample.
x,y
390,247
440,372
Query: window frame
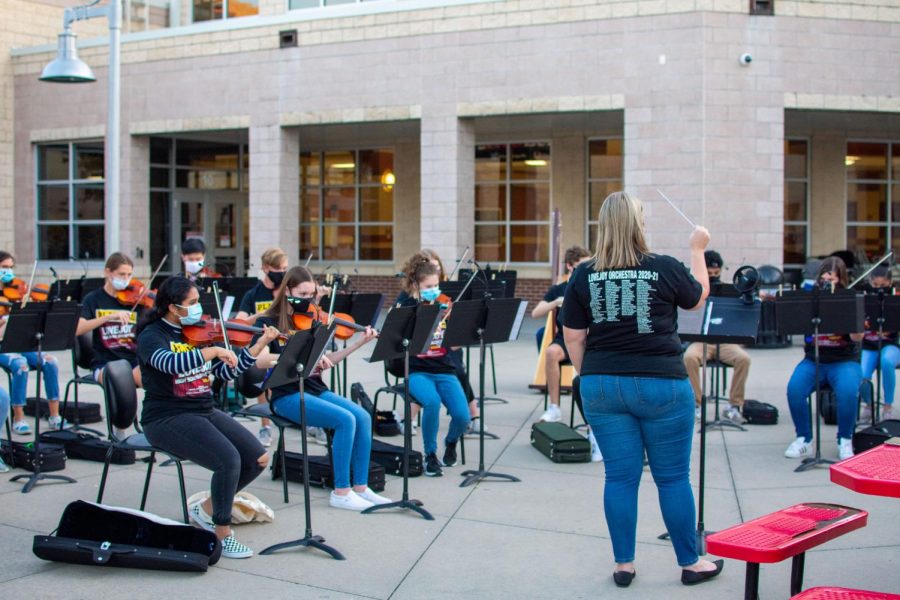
x,y
321,224
889,183
808,204
588,221
507,184
70,183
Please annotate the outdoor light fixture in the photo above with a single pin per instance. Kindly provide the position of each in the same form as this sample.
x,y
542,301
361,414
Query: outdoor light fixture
x,y
68,68
388,179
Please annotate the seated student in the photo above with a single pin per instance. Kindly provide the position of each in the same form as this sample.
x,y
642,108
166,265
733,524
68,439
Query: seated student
x,y
112,323
730,354
352,425
838,367
256,301
432,376
193,257
879,279
4,413
19,364
179,415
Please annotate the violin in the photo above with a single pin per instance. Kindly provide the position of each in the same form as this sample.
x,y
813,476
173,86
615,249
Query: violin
x,y
209,331
136,294
17,290
345,328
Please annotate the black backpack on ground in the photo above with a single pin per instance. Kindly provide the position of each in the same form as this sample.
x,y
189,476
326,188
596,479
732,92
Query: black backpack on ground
x,y
384,423
390,457
877,434
321,473
759,413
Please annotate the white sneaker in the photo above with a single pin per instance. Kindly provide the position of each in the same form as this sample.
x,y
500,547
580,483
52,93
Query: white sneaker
x,y
697,413
414,429
231,548
352,501
21,427
887,411
799,448
865,416
845,448
552,414
372,497
199,517
265,435
733,414
596,455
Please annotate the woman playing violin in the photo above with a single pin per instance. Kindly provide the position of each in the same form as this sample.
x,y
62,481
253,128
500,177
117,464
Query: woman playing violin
x,y
18,366
433,375
178,414
351,424
111,322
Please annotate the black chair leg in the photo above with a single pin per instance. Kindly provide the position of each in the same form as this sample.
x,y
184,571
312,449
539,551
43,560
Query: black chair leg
x,y
462,448
106,462
283,460
184,511
797,573
147,480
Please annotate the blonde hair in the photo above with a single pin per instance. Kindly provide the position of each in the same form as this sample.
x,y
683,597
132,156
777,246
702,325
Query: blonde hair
x,y
273,258
620,233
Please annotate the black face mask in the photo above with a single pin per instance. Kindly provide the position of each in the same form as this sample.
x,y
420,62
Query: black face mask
x,y
275,277
715,280
299,304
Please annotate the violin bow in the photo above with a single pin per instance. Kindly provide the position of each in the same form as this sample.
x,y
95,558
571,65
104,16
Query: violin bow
x,y
870,269
459,261
147,287
28,289
215,289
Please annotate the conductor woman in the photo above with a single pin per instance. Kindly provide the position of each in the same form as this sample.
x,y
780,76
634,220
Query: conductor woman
x,y
620,327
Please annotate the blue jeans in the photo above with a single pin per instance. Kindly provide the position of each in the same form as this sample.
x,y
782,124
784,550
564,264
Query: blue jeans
x,y
19,364
432,389
890,358
352,443
4,408
844,379
631,415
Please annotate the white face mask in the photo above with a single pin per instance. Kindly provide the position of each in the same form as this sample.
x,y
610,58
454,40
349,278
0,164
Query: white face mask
x,y
193,266
120,284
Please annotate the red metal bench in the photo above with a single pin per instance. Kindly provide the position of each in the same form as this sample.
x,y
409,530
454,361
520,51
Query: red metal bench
x,y
787,533
875,471
836,593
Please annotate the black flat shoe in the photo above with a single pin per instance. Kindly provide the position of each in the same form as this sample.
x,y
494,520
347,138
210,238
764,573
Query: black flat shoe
x,y
695,577
623,578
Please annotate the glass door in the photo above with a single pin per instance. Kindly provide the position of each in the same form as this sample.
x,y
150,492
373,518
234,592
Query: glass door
x,y
220,220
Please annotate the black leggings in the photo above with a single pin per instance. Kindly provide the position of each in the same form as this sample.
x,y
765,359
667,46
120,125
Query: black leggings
x,y
217,442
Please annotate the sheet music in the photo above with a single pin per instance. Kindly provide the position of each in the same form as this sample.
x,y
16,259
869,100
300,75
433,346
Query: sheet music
x,y
517,324
227,306
706,317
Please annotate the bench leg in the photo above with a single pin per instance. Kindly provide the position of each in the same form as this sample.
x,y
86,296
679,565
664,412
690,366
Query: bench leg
x,y
797,573
751,582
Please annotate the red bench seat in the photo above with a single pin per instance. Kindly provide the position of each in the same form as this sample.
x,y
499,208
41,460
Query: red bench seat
x,y
836,593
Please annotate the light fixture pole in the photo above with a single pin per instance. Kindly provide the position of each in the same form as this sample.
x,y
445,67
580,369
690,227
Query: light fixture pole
x,y
68,68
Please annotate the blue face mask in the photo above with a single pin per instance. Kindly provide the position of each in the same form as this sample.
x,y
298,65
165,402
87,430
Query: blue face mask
x,y
195,313
7,275
430,294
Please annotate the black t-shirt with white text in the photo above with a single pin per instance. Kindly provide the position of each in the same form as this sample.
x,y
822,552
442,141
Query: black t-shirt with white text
x,y
257,300
631,316
111,341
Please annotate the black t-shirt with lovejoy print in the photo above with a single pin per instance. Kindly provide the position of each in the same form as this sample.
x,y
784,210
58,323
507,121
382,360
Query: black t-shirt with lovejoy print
x,y
175,376
257,300
631,316
113,340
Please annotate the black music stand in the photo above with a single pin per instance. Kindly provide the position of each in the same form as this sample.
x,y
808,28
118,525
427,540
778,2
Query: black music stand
x,y
482,322
407,330
884,310
364,308
40,327
295,363
807,313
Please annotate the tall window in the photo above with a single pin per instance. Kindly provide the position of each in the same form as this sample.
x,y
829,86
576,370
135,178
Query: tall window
x,y
347,204
70,201
873,192
512,202
292,4
796,202
211,10
604,177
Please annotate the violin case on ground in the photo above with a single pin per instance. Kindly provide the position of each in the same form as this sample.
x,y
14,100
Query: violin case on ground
x,y
390,457
320,470
96,534
877,434
87,446
560,443
759,413
21,455
88,412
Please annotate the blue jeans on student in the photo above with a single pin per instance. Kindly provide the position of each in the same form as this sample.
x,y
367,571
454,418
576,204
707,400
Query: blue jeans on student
x,y
431,390
630,416
890,358
844,379
4,408
352,426
18,366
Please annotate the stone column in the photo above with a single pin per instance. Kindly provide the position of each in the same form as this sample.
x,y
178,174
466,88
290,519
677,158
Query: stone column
x,y
447,222
274,191
134,203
